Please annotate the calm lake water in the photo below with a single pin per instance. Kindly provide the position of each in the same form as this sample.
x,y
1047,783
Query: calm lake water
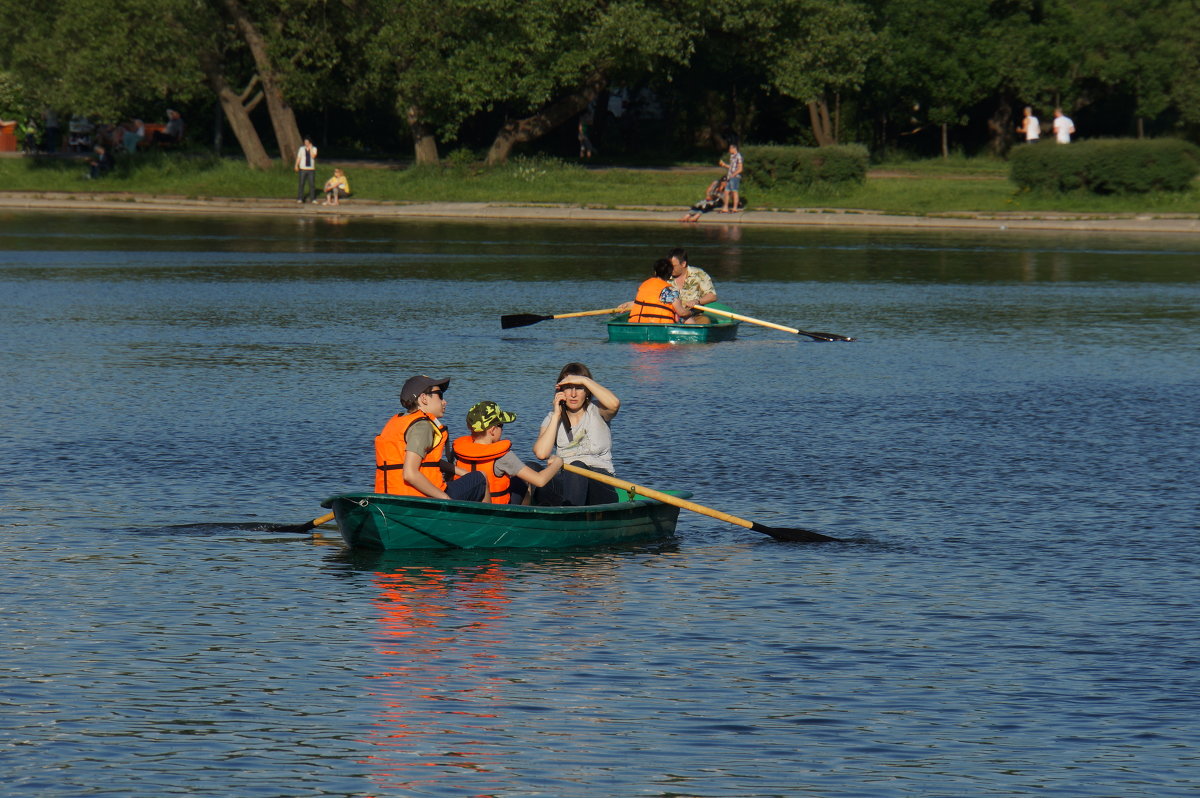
x,y
1009,452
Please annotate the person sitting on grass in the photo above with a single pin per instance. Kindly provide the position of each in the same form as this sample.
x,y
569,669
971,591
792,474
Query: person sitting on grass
x,y
172,132
336,187
487,451
712,198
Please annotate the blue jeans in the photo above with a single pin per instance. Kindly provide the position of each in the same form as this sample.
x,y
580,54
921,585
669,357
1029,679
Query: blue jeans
x,y
307,176
566,489
468,487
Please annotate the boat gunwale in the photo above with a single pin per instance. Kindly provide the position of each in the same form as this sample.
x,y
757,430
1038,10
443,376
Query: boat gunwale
x,y
724,329
516,510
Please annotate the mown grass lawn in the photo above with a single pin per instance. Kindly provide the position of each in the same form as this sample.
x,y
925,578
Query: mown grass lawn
x,y
934,186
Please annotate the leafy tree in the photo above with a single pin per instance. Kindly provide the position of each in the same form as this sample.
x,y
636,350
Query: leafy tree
x,y
817,50
811,51
538,62
928,72
1146,48
109,58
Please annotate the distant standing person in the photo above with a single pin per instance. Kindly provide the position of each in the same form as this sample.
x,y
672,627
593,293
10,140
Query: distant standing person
x,y
1029,126
306,167
585,142
1063,127
733,178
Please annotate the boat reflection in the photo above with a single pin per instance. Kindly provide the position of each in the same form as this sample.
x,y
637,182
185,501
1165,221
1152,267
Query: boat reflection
x,y
445,660
435,639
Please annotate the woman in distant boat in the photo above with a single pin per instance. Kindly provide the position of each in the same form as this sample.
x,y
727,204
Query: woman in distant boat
x,y
657,300
577,429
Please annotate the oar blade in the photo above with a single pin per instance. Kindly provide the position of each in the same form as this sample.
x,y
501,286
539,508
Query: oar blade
x,y
300,529
831,336
794,535
521,320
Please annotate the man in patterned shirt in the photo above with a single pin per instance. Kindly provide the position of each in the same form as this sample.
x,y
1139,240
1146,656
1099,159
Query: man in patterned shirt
x,y
695,286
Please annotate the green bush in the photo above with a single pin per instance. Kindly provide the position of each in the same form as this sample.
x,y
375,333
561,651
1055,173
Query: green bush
x,y
1106,166
774,165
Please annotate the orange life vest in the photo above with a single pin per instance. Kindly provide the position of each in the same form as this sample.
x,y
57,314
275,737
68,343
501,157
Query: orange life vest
x,y
648,308
389,455
483,457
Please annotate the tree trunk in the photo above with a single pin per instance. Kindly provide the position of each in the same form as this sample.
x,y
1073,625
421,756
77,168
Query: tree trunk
x,y
516,131
237,111
1000,126
837,116
822,127
425,147
283,119
945,141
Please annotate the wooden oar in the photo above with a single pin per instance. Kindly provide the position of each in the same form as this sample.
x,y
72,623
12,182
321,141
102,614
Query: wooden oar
x,y
525,319
816,336
300,529
801,535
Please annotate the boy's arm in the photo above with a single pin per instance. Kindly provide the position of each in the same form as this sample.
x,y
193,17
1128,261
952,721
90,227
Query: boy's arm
x,y
539,478
414,477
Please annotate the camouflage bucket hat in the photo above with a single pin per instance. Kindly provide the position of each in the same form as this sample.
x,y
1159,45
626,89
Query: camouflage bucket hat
x,y
488,414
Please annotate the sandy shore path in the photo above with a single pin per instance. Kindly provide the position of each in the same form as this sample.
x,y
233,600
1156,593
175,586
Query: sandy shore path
x,y
478,211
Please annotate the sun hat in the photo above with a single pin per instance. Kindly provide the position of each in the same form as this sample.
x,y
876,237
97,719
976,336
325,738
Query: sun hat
x,y
488,414
415,386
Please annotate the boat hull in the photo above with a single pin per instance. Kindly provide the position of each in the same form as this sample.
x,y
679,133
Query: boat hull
x,y
377,521
621,331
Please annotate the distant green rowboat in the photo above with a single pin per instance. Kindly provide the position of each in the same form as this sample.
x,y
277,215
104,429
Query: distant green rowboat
x,y
620,330
376,521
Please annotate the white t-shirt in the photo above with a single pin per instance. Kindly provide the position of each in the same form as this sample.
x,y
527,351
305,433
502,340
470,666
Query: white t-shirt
x,y
1062,129
304,161
1032,128
590,442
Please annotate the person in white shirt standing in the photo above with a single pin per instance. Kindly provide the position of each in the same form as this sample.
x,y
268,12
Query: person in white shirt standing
x,y
1029,126
306,167
1063,127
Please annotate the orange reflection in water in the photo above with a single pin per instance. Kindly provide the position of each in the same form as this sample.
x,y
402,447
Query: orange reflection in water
x,y
437,642
647,365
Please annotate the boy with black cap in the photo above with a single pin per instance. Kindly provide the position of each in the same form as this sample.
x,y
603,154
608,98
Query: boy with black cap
x,y
485,452
409,450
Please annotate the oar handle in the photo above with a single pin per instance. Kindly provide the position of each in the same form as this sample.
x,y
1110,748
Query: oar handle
x,y
325,519
585,313
816,336
657,495
740,317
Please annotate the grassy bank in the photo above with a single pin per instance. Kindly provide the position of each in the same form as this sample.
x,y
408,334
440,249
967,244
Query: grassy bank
x,y
908,188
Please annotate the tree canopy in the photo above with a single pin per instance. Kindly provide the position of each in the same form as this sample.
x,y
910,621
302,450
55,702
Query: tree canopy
x,y
494,75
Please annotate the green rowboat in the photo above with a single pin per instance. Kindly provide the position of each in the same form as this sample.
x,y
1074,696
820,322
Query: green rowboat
x,y
377,521
620,330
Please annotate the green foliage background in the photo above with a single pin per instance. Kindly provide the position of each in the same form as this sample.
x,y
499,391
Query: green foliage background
x,y
897,76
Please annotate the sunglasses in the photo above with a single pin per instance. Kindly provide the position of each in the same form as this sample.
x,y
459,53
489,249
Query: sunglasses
x,y
436,393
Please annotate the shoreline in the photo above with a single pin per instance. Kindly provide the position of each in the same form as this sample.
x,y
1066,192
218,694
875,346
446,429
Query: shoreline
x,y
551,212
